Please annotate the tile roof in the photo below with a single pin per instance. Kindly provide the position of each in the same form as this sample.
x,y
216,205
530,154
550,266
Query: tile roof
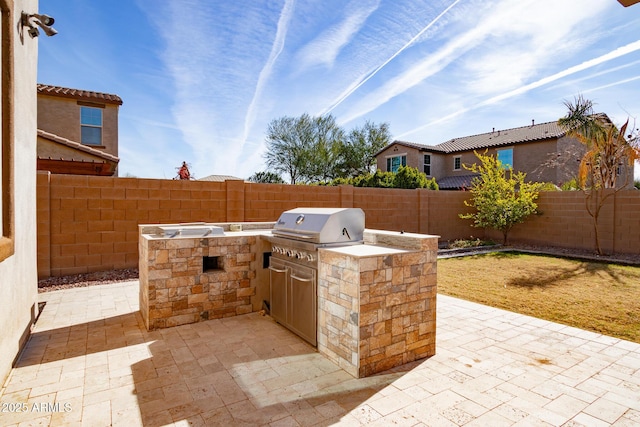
x,y
503,137
78,94
457,182
78,146
420,147
220,178
496,138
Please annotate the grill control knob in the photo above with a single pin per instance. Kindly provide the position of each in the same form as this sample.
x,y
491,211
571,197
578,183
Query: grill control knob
x,y
310,257
301,255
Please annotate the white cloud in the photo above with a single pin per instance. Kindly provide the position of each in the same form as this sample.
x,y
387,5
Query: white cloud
x,y
501,49
265,73
325,48
217,55
616,53
364,78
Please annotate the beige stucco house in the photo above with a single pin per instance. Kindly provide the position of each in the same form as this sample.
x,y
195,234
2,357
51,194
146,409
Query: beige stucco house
x,y
18,272
543,151
77,131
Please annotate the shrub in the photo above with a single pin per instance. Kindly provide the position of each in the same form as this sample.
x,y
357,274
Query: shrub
x,y
500,196
406,177
571,185
470,243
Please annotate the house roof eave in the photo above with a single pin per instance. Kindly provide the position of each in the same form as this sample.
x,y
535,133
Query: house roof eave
x,y
79,94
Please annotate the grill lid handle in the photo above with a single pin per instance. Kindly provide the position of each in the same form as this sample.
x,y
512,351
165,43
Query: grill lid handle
x,y
345,232
292,235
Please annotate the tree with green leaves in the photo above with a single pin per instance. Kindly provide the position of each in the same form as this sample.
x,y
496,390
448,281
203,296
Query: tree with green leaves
x,y
287,146
266,178
316,149
358,151
501,197
305,148
610,154
325,145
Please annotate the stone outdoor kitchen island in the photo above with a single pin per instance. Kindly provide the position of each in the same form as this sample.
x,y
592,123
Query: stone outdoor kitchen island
x,y
376,300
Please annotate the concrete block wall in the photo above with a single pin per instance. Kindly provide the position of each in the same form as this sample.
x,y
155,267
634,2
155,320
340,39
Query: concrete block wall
x,y
90,224
389,209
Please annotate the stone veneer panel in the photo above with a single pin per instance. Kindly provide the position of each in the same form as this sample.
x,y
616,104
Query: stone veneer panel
x,y
174,289
390,318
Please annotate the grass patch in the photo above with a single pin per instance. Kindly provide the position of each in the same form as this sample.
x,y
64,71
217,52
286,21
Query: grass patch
x,y
599,297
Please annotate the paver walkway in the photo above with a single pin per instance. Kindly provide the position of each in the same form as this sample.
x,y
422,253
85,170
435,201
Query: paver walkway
x,y
91,362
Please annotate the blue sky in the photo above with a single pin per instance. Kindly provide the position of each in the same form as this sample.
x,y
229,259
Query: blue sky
x,y
202,79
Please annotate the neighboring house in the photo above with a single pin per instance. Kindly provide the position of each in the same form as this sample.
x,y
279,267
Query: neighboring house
x,y
220,178
543,151
77,131
18,270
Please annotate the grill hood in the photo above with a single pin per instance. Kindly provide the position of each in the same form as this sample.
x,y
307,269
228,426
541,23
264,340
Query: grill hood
x,y
321,225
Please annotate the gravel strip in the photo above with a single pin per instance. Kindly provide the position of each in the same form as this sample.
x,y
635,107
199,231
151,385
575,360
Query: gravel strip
x,y
87,279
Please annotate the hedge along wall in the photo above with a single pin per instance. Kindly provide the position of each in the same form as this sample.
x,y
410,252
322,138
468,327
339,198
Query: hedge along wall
x,y
90,223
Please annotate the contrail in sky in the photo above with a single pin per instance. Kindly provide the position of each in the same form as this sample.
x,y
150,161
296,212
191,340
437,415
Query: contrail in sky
x,y
349,91
265,73
612,84
621,51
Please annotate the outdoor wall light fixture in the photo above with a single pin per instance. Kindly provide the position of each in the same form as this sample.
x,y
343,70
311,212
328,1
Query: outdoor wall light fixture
x,y
34,20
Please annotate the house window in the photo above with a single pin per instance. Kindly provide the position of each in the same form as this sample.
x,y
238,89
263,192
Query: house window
x,y
457,163
394,163
506,158
91,125
427,164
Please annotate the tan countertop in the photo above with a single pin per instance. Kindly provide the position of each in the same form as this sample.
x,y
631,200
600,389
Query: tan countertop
x,y
367,250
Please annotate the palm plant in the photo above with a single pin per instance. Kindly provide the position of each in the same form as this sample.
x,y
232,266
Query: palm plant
x,y
609,152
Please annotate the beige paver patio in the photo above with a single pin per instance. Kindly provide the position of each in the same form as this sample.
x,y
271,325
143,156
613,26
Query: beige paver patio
x,y
91,362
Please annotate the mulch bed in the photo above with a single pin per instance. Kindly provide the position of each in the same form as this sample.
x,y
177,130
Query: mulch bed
x,y
87,279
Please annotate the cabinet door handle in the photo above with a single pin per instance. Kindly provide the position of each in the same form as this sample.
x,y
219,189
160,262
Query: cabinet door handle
x,y
276,270
300,279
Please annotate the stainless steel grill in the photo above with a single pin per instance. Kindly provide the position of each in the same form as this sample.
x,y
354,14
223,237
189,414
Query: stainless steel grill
x,y
297,236
321,225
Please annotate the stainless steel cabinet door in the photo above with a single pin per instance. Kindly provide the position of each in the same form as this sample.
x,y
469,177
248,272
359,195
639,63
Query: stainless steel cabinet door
x,y
302,304
279,278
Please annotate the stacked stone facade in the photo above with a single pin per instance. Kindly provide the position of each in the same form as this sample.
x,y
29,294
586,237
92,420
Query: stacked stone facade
x,y
178,287
390,318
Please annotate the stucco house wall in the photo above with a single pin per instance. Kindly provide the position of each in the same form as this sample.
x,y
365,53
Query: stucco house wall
x,y
529,158
18,272
415,157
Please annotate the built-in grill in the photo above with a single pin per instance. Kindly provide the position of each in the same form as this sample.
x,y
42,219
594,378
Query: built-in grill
x,y
295,240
